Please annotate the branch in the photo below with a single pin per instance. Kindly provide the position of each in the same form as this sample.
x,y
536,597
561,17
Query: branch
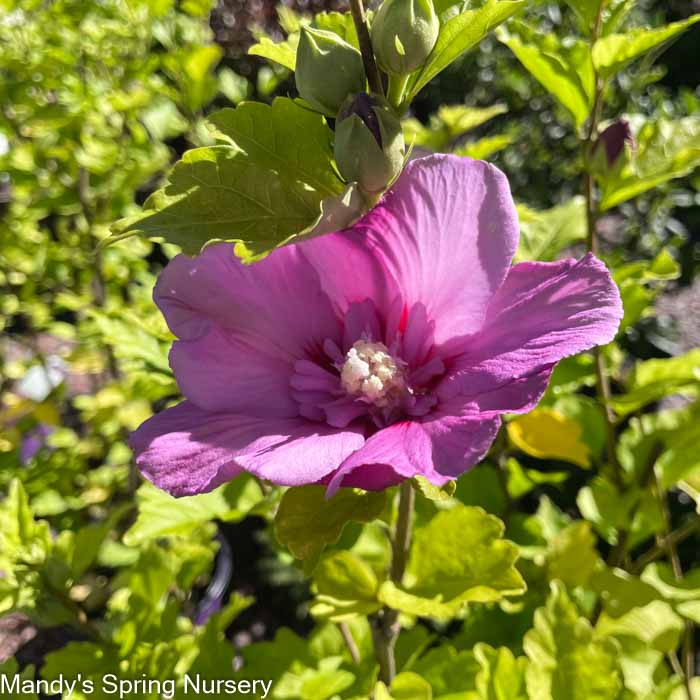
x,y
373,76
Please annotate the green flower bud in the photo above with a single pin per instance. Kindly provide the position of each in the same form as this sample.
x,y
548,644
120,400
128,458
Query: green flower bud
x,y
404,33
369,145
328,70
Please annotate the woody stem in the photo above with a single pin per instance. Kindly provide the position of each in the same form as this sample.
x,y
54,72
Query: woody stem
x,y
359,17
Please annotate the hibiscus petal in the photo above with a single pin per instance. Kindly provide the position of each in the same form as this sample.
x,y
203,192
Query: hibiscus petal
x,y
220,372
444,236
543,313
185,450
243,327
440,449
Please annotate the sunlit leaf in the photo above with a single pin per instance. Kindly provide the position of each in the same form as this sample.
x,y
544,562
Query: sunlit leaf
x,y
284,52
613,52
655,624
457,558
161,515
459,34
666,149
219,193
547,434
502,675
284,137
568,659
564,70
544,234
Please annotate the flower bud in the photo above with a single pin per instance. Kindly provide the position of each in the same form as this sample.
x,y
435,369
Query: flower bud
x,y
328,70
369,144
404,33
614,140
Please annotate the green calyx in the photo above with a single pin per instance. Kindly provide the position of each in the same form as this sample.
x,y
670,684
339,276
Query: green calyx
x,y
404,33
328,70
369,143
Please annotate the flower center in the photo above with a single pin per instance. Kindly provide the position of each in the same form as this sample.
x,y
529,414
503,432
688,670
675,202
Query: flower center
x,y
371,374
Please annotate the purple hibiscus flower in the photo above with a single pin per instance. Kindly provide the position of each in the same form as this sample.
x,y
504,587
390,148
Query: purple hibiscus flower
x,y
374,354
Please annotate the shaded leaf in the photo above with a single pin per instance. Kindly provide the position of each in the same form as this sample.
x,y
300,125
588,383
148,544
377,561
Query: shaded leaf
x,y
307,521
346,587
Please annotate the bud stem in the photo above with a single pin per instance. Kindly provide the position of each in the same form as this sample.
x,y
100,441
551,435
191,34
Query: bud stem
x,y
374,79
397,90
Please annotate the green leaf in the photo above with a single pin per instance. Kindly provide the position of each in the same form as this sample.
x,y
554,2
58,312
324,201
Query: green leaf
x,y
340,23
564,70
652,380
666,149
572,555
612,512
641,281
661,577
432,492
568,659
457,558
161,515
307,521
484,148
285,137
502,675
89,539
410,686
620,591
451,673
284,53
544,234
613,52
483,487
448,124
219,193
522,481
346,587
586,11
655,624
459,34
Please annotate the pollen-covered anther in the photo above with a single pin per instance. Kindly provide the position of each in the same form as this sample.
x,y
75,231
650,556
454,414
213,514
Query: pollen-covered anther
x,y
371,373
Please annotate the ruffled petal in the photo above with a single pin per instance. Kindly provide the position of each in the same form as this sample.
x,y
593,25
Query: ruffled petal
x,y
185,450
241,328
444,236
441,448
543,313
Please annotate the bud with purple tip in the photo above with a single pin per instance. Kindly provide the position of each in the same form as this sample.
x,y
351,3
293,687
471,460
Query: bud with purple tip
x,y
369,143
614,147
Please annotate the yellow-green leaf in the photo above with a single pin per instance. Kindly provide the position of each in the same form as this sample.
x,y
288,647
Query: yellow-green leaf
x,y
613,52
547,434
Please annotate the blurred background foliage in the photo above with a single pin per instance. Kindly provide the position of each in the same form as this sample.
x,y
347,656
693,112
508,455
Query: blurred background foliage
x,y
97,100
